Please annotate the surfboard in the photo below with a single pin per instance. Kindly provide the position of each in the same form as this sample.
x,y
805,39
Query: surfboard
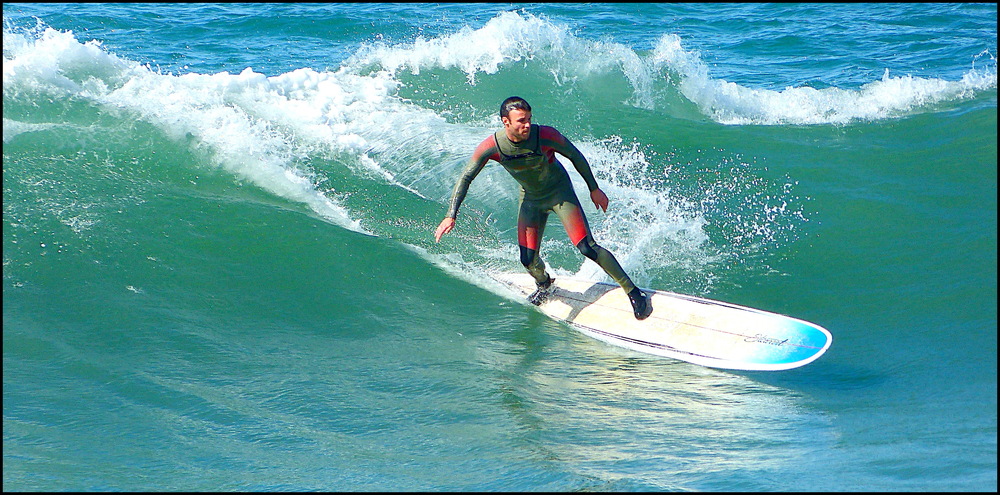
x,y
701,331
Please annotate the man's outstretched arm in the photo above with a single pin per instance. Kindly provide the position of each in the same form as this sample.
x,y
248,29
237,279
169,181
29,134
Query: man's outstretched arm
x,y
484,152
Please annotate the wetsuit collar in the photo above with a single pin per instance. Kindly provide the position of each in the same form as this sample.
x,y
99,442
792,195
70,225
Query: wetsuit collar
x,y
530,143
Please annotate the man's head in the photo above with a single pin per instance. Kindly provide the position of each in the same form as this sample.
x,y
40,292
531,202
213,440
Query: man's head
x,y
515,113
514,102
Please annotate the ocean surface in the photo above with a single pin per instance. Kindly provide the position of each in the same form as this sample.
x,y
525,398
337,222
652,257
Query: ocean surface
x,y
219,270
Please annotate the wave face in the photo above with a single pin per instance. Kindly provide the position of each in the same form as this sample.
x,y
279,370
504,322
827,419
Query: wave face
x,y
220,271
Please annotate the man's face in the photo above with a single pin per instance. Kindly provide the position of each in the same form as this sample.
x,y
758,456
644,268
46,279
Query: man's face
x,y
517,124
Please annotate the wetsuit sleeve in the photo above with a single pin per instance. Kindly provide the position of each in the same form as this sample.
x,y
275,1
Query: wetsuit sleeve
x,y
552,139
484,152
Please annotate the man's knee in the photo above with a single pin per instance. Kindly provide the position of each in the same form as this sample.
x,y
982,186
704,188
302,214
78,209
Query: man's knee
x,y
588,247
527,256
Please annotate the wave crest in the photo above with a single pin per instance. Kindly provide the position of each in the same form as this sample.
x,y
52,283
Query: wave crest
x,y
513,40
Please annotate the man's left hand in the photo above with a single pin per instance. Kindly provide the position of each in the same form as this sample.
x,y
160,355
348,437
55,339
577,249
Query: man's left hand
x,y
600,199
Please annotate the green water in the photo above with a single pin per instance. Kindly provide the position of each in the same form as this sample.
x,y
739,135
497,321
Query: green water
x,y
219,279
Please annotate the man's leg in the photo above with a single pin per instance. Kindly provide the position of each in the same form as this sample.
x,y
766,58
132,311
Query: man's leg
x,y
576,225
578,229
530,226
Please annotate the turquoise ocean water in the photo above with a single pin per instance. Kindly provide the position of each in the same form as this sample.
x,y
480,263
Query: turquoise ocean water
x,y
219,270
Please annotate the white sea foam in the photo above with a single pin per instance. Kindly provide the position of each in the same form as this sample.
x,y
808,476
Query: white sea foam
x,y
13,128
257,127
507,39
212,113
731,103
646,226
511,39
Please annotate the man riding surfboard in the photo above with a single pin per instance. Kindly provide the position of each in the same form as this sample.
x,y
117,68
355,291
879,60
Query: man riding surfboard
x,y
527,151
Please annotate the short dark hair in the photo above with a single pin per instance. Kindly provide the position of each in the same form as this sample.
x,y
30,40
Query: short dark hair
x,y
514,102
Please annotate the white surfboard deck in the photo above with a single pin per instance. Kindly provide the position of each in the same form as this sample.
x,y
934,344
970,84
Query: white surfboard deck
x,y
700,331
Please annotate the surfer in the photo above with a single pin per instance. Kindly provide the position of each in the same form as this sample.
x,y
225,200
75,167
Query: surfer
x,y
527,151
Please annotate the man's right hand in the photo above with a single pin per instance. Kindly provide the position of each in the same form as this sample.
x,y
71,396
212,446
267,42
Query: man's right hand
x,y
446,225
